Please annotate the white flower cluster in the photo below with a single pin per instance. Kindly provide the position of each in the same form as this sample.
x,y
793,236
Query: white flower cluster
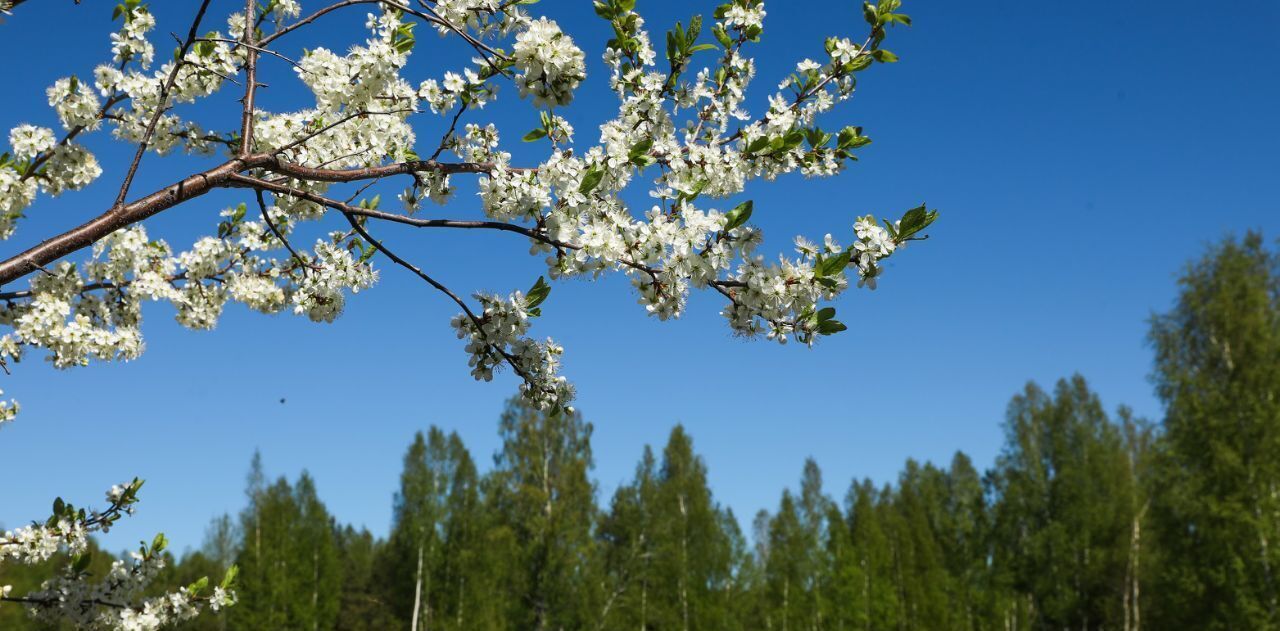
x,y
497,336
8,410
29,141
284,9
551,66
70,597
75,102
485,18
320,294
93,311
682,126
112,603
131,43
472,87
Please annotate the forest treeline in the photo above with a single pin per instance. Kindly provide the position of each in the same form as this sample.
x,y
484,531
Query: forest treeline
x,y
1086,520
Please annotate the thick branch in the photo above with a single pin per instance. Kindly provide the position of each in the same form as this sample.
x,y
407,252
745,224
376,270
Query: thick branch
x,y
250,80
118,217
122,216
297,171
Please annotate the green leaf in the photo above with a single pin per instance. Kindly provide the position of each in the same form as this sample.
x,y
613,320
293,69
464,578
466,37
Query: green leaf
x,y
915,220
721,36
641,148
537,293
591,180
884,56
536,134
833,265
758,145
870,14
861,62
831,327
197,586
81,562
738,216
229,578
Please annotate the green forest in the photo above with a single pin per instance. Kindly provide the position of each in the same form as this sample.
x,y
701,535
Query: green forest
x,y
1088,518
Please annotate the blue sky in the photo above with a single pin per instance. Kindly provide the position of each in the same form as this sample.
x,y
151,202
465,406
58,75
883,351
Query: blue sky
x,y
1080,157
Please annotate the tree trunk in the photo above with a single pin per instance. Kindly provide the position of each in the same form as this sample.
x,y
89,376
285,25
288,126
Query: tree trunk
x,y
462,588
417,592
315,589
684,563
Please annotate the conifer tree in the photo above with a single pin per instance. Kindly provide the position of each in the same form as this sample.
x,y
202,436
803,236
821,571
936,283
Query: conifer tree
x,y
923,579
796,565
465,576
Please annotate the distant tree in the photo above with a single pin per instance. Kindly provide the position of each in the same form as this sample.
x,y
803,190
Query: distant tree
x,y
1217,512
1064,517
421,517
466,576
1140,444
288,557
361,606
963,534
628,532
543,503
692,553
877,604
796,566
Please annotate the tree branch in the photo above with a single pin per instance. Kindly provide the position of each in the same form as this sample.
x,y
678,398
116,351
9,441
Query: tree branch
x,y
160,106
250,80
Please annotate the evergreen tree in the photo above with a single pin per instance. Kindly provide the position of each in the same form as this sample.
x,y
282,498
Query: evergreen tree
x,y
922,576
465,576
963,536
1218,511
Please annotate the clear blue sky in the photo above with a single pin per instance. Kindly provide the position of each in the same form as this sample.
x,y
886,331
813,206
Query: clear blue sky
x,y
1080,156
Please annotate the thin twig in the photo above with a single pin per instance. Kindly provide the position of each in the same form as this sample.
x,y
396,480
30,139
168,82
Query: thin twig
x,y
160,105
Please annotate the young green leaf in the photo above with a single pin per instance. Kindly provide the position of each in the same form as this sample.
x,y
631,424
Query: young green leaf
x,y
738,216
537,293
590,180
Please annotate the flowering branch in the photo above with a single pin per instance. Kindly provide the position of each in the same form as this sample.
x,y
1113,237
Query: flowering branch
x,y
684,129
